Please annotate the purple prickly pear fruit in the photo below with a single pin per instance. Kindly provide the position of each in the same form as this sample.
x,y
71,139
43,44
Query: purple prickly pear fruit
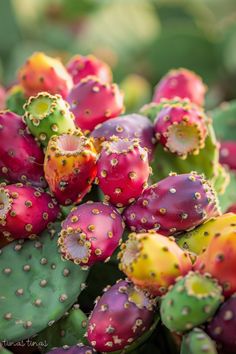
x,y
222,327
93,102
181,127
121,315
21,159
75,349
91,233
130,126
176,203
227,154
25,211
123,170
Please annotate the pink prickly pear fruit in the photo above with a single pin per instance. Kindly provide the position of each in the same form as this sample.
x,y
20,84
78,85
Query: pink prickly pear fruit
x,y
219,259
121,315
232,209
75,349
91,233
93,102
129,126
21,158
123,170
153,261
181,127
70,166
81,66
2,98
42,73
181,83
25,211
175,204
227,154
222,327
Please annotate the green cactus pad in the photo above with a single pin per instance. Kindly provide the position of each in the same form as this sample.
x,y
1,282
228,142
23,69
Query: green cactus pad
x,y
221,179
69,330
48,115
224,120
16,100
229,196
197,342
190,302
38,286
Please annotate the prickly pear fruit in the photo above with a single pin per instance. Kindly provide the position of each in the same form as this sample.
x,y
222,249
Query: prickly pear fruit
x,y
21,159
232,209
190,302
197,240
227,154
123,170
219,259
181,128
2,98
70,166
25,211
176,203
121,315
129,126
48,115
43,73
197,342
94,102
90,233
153,261
222,327
181,83
16,99
81,66
76,349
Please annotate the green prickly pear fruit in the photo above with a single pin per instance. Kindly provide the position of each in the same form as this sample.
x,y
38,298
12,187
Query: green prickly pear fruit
x,y
197,342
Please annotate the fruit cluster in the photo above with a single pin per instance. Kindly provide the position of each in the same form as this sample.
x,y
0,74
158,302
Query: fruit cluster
x,y
83,185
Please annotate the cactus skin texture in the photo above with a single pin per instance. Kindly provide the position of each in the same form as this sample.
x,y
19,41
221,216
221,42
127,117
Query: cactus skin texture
x,y
219,259
25,211
123,170
38,286
227,154
197,342
43,73
15,99
93,102
121,315
222,327
176,203
197,240
190,302
181,127
21,159
81,66
91,233
76,349
153,261
69,330
129,126
70,166
181,83
47,115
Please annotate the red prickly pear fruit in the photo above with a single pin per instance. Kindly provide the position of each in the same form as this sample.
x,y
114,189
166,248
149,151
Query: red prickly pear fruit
x,y
232,209
219,259
130,126
181,127
153,261
2,98
81,66
222,327
227,154
175,204
181,83
70,166
75,349
43,73
123,170
121,315
91,233
21,159
93,102
25,211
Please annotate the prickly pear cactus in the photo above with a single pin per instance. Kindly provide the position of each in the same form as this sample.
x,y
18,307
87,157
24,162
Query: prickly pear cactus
x,y
16,99
197,342
224,120
38,286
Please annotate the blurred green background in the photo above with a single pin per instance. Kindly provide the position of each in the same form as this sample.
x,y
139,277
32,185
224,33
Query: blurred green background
x,y
147,37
